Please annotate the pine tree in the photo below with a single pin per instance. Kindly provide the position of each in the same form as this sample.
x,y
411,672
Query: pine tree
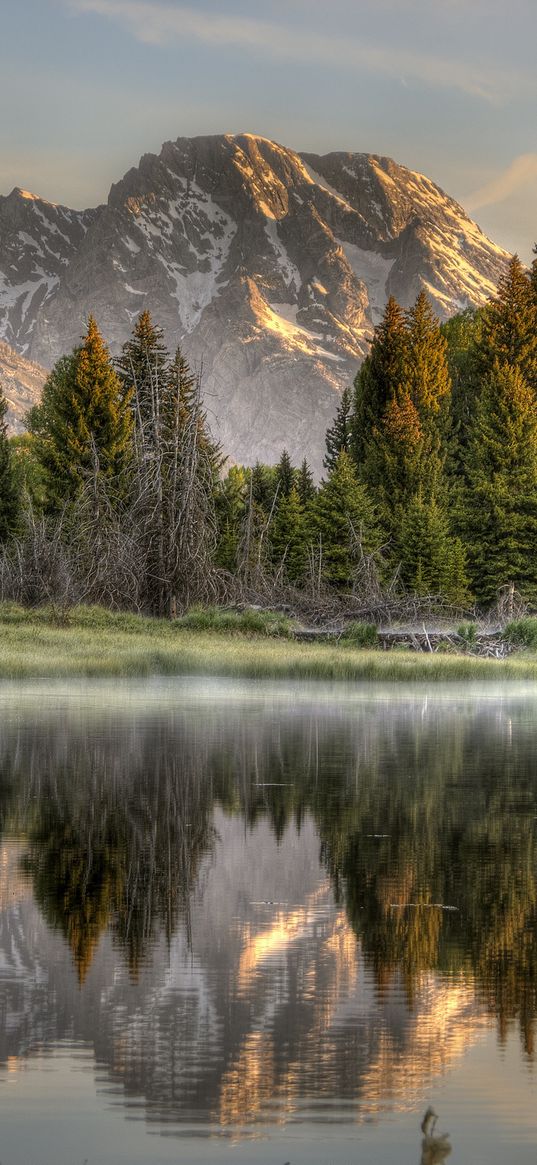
x,y
344,518
305,484
394,457
178,391
49,424
432,561
9,500
404,464
403,459
284,477
462,333
289,538
142,368
83,422
379,379
338,436
498,509
254,547
180,402
509,328
101,408
28,471
533,275
425,365
231,499
263,487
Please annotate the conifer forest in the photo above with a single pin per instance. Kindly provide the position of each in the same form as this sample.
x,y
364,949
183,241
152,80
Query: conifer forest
x,y
118,494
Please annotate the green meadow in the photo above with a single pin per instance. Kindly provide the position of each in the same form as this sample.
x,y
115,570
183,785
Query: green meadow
x,y
94,642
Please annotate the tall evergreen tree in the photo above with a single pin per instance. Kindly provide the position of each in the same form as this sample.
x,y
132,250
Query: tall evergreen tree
x,y
379,379
284,476
181,402
432,561
462,333
83,421
289,538
142,368
509,328
533,275
425,365
305,484
262,486
338,436
498,510
344,519
404,465
231,500
405,458
254,547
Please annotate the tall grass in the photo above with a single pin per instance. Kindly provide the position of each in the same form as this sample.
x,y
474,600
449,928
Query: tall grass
x,y
250,622
98,643
270,624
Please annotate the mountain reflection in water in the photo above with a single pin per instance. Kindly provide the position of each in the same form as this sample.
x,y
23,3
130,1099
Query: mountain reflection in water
x,y
256,914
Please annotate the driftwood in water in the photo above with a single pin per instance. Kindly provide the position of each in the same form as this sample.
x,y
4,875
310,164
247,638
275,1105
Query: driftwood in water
x,y
435,1147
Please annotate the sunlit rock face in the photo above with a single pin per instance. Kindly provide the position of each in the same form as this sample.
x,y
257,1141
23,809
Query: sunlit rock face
x,y
270,268
21,382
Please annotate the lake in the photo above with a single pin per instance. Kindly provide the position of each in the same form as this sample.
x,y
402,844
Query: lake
x,y
267,923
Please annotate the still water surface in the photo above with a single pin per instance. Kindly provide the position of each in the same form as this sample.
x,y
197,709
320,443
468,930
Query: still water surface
x,y
267,923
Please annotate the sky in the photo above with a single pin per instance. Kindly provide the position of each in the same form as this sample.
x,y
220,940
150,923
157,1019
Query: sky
x,y
446,87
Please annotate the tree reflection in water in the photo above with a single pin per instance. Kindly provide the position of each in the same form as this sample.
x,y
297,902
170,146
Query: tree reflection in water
x,y
426,827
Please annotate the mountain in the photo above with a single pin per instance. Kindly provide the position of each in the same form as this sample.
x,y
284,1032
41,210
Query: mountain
x,y
38,240
269,267
21,383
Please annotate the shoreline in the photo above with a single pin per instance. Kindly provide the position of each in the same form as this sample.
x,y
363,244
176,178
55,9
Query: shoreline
x,y
93,643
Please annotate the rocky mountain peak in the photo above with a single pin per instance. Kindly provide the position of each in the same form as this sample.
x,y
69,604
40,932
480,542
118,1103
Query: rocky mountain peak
x,y
37,241
269,266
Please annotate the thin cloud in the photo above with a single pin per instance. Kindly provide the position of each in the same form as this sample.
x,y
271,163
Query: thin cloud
x,y
160,23
521,172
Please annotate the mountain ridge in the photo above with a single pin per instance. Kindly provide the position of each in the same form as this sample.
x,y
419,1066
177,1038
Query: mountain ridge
x,y
268,266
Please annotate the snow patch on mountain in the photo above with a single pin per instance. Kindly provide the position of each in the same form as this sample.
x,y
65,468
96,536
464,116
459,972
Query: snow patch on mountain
x,y
289,270
318,180
373,269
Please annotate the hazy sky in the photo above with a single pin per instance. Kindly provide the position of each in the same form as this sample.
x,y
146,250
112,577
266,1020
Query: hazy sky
x,y
448,87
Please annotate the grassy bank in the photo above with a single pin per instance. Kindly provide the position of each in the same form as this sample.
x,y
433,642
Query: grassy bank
x,y
97,643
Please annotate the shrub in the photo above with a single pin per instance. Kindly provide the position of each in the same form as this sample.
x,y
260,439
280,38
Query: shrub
x,y
523,632
468,632
361,634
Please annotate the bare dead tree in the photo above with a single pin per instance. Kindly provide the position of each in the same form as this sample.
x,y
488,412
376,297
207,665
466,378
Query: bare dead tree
x,y
36,568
